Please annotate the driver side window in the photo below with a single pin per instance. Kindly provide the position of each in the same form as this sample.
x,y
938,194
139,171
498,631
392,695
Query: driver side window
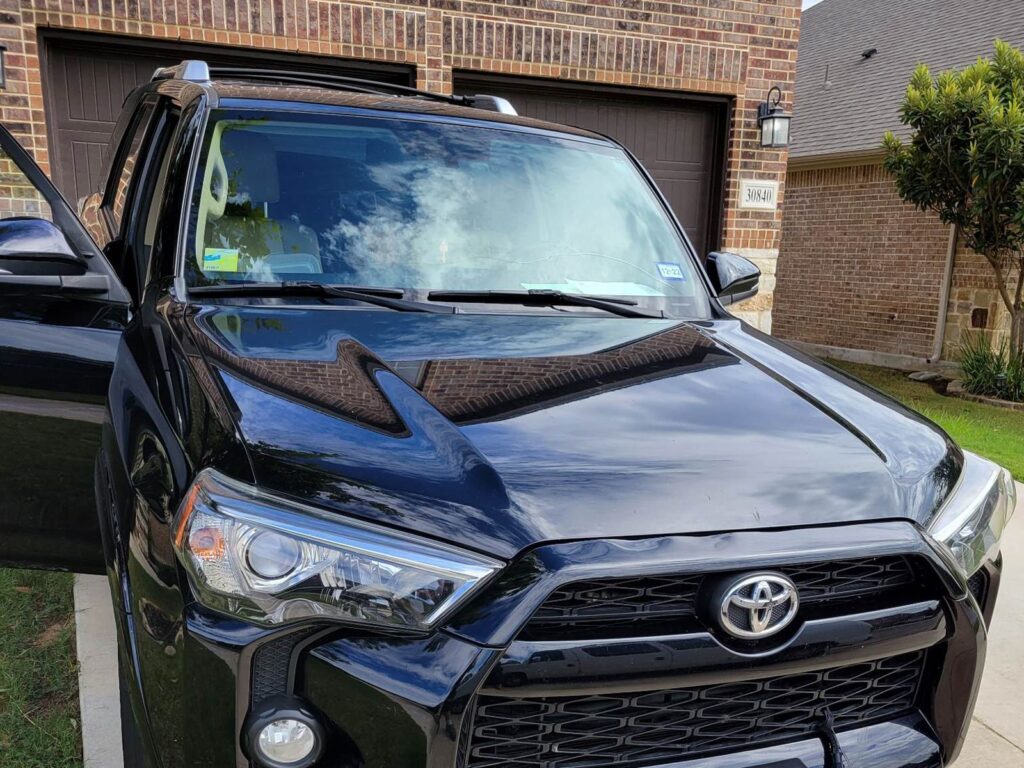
x,y
103,212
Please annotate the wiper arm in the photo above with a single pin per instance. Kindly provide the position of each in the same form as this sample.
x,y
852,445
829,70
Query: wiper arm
x,y
391,298
544,297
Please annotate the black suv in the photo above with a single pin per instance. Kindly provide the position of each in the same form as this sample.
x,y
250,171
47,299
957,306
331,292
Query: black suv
x,y
420,438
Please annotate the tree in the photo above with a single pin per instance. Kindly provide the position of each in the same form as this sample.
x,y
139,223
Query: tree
x,y
965,161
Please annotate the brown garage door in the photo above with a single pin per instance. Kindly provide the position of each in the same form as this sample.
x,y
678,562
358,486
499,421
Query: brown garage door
x,y
680,141
88,76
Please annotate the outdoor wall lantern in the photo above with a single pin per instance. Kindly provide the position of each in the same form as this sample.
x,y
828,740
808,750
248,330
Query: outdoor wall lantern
x,y
773,121
3,67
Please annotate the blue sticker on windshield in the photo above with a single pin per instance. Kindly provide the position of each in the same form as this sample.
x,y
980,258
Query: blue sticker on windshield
x,y
671,271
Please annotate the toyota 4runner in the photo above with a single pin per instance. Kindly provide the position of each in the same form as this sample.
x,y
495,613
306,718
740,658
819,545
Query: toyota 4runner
x,y
411,433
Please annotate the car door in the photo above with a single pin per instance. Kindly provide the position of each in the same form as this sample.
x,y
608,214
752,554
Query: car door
x,y
62,312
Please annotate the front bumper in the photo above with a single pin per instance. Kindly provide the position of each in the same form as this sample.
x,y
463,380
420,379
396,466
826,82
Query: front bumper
x,y
409,701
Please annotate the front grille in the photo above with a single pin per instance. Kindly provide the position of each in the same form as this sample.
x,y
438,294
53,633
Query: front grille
x,y
652,605
637,729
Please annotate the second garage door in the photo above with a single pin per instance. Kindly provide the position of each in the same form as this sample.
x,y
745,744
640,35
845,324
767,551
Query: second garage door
x,y
87,77
680,141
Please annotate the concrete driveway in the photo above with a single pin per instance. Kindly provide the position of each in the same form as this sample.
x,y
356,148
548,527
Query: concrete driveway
x,y
996,739
997,735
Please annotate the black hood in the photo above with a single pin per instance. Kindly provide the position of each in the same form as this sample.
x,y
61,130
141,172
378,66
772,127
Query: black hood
x,y
498,432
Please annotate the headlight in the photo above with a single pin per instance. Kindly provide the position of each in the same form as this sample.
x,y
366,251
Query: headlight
x,y
270,561
971,522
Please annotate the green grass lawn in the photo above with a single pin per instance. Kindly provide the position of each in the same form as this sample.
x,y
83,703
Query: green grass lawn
x,y
996,433
39,720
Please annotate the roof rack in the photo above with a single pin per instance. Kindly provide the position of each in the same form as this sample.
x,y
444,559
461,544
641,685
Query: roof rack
x,y
493,103
193,70
198,71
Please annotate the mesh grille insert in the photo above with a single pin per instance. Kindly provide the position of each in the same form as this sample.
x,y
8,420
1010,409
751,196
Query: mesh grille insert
x,y
649,605
608,604
636,729
819,582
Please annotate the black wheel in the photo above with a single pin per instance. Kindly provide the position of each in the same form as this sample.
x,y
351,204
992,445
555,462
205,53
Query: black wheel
x,y
131,740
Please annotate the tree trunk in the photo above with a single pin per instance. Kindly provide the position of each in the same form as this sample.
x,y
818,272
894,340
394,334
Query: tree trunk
x,y
1014,303
1017,332
1017,313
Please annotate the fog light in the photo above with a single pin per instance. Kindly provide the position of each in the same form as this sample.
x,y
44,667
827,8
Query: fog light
x,y
286,741
282,732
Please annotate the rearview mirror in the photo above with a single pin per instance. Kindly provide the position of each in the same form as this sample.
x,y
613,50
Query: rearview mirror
x,y
734,277
31,246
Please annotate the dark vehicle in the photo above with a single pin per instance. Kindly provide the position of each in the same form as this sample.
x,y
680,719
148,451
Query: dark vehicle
x,y
420,437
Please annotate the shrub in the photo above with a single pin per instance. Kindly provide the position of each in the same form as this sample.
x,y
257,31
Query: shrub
x,y
984,368
1013,389
991,372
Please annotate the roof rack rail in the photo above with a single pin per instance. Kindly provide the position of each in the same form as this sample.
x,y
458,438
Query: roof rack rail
x,y
323,79
198,71
193,70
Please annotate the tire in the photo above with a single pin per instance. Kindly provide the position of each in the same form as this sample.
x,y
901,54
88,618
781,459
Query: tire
x,y
131,739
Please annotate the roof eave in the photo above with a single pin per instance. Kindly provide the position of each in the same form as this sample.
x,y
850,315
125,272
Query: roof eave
x,y
835,159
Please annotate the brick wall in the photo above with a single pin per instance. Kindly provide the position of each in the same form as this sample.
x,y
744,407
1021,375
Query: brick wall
x,y
858,268
737,48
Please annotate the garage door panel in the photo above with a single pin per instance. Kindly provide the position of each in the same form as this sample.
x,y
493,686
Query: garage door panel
x,y
86,162
679,142
678,171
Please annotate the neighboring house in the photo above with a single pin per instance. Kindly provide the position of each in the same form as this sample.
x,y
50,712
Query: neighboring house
x,y
677,82
861,274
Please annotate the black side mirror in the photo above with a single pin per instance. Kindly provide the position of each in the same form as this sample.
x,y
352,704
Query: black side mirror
x,y
36,247
35,257
734,277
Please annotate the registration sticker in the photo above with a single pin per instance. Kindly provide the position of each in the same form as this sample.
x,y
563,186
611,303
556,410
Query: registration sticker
x,y
671,271
220,260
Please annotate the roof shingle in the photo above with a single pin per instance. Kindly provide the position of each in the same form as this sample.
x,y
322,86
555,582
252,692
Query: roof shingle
x,y
844,103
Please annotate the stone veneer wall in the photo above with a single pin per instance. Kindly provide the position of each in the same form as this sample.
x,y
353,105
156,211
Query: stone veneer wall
x,y
974,288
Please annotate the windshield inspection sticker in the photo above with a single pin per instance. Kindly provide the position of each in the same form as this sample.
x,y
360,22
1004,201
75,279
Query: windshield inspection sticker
x,y
671,271
220,260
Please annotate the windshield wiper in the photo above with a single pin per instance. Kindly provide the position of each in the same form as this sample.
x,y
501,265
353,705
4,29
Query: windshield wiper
x,y
391,298
544,297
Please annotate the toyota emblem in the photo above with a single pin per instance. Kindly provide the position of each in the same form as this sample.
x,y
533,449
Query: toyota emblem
x,y
758,605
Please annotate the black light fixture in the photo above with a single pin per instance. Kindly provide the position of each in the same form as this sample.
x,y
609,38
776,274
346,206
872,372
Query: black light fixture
x,y
3,67
773,121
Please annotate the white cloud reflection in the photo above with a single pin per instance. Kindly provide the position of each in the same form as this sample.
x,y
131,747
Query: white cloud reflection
x,y
463,210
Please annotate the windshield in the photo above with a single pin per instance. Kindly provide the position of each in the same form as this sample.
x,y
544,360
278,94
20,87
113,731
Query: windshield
x,y
425,205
